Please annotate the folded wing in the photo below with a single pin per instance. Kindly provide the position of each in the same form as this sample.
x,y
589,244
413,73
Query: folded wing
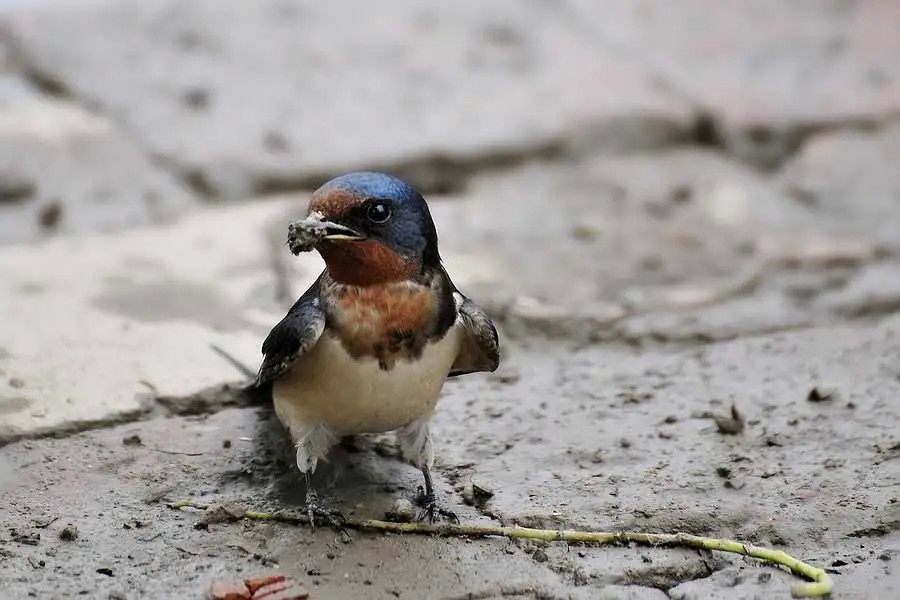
x,y
295,334
480,349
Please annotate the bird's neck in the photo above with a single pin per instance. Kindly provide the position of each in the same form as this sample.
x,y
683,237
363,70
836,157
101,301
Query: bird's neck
x,y
367,263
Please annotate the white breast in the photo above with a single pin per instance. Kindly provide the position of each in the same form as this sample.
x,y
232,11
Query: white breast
x,y
327,386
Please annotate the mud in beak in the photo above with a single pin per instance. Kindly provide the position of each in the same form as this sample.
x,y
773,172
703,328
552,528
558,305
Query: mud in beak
x,y
304,235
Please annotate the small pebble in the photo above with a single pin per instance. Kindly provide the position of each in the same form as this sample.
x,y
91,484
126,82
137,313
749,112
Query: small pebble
x,y
681,194
69,533
274,141
730,425
468,495
223,513
476,493
585,232
196,98
401,512
822,394
50,215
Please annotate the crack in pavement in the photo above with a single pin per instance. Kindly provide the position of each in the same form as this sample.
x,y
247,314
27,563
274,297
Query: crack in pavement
x,y
55,87
214,399
152,406
770,146
439,172
78,426
767,144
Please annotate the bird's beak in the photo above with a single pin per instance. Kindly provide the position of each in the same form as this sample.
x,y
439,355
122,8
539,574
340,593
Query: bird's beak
x,y
304,235
336,231
324,229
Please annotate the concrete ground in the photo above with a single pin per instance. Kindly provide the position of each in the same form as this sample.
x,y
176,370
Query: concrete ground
x,y
670,209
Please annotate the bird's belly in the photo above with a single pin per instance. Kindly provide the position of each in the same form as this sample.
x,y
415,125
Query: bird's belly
x,y
327,386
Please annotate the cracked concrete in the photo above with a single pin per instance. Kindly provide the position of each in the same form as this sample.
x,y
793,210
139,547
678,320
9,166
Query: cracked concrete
x,y
418,70
765,74
669,210
776,484
75,173
115,322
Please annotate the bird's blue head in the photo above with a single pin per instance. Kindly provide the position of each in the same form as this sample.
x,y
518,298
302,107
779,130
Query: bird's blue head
x,y
391,234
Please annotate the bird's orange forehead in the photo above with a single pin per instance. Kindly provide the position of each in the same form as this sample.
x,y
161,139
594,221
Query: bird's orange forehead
x,y
334,202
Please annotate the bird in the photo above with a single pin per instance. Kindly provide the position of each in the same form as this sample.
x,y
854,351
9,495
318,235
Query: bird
x,y
368,347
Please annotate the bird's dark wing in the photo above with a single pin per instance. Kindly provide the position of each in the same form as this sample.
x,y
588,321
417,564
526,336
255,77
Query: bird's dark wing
x,y
297,332
480,349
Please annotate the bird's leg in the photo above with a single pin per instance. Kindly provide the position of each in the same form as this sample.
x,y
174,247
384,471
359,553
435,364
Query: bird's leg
x,y
415,444
309,448
316,507
431,510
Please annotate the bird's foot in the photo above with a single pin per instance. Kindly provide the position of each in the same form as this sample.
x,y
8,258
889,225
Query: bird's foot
x,y
432,512
317,509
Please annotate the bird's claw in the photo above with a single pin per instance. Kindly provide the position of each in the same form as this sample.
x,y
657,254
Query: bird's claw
x,y
432,512
317,509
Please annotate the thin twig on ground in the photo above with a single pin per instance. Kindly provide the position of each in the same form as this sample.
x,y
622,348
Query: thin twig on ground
x,y
175,452
820,583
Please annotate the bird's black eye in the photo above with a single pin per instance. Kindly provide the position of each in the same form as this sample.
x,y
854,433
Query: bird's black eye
x,y
379,211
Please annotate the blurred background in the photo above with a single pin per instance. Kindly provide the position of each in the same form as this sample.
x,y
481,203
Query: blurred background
x,y
629,187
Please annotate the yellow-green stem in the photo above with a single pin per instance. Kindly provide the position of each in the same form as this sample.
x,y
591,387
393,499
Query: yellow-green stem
x,y
819,585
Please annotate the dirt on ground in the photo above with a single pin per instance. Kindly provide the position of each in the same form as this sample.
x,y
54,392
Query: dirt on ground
x,y
589,438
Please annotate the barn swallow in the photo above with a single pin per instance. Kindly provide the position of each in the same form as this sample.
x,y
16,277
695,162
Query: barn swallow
x,y
367,348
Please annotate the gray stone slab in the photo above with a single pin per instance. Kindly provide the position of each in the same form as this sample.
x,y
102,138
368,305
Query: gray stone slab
x,y
851,176
872,292
253,96
573,234
144,305
765,71
725,319
66,170
677,245
97,329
